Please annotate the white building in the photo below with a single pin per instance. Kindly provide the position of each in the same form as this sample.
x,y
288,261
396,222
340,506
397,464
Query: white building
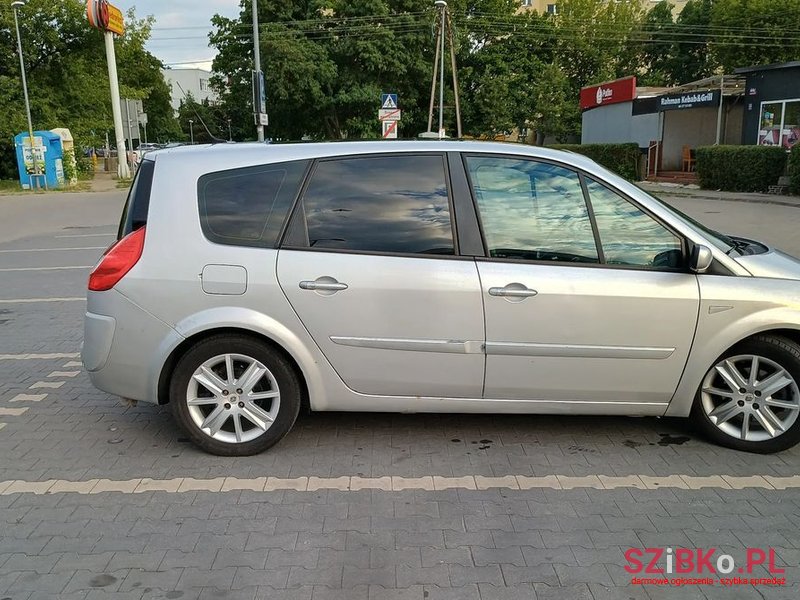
x,y
183,82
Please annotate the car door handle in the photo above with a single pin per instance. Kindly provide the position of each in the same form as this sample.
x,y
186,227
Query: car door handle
x,y
323,284
512,290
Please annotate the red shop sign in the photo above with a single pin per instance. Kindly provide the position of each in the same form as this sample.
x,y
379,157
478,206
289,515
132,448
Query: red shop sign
x,y
620,90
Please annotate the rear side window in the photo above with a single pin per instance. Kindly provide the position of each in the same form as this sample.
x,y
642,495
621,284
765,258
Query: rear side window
x,y
247,207
134,215
385,204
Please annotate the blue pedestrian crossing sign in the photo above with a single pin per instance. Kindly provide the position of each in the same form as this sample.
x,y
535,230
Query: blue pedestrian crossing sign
x,y
388,100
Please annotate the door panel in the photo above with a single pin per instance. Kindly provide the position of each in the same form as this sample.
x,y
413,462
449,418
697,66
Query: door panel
x,y
589,334
403,326
363,269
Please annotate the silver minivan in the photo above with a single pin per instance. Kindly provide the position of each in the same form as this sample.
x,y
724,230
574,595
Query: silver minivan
x,y
252,281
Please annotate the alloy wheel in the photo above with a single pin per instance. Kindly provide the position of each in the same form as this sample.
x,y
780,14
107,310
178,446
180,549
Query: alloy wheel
x,y
750,397
233,398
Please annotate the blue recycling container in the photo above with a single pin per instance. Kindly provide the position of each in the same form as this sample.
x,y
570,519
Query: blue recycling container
x,y
49,156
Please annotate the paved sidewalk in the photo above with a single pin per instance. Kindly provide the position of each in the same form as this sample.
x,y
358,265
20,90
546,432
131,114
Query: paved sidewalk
x,y
676,190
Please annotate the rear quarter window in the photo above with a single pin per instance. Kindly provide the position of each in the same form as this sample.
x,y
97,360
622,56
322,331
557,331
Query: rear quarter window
x,y
134,215
248,206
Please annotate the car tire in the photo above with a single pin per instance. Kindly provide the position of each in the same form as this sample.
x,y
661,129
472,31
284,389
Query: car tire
x,y
240,413
711,412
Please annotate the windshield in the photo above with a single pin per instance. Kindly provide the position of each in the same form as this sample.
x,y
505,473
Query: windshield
x,y
721,241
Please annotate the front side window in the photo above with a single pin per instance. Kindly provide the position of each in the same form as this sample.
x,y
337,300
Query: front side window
x,y
247,207
532,210
630,236
386,204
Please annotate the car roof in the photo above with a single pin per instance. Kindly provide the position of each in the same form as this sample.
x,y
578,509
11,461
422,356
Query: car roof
x,y
220,156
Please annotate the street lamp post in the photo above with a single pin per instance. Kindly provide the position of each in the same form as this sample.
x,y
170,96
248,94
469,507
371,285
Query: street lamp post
x,y
191,130
16,5
230,132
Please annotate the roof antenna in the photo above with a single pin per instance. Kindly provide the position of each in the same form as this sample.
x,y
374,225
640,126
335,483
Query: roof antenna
x,y
214,139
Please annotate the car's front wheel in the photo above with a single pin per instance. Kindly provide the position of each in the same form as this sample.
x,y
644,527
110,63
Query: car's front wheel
x,y
234,395
750,400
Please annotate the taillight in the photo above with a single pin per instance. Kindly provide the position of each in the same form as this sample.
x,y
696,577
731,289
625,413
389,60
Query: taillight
x,y
117,261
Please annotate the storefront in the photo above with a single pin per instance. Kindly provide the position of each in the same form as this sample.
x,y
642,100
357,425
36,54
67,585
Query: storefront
x,y
772,104
701,113
618,112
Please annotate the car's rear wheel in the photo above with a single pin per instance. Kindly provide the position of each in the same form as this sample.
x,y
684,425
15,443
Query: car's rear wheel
x,y
234,395
750,400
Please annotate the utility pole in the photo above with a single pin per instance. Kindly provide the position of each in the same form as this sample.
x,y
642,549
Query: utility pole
x,y
258,79
230,132
15,5
191,131
444,34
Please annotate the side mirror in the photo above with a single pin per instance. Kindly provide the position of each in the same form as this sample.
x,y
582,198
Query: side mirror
x,y
701,259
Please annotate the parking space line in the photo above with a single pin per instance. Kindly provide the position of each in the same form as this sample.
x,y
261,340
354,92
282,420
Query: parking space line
x,y
38,300
52,385
28,398
2,425
13,412
50,249
19,269
64,374
180,485
72,363
30,356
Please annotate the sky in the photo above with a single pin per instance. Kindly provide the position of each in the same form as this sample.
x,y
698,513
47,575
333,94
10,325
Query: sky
x,y
189,20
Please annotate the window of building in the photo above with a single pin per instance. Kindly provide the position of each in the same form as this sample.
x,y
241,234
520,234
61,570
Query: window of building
x,y
527,2
552,9
779,123
396,204
204,85
531,210
247,207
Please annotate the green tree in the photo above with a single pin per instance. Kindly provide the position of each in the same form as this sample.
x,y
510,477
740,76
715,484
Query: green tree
x,y
657,54
754,32
68,76
691,58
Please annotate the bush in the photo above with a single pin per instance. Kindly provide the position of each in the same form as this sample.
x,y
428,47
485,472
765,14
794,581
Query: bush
x,y
622,159
740,168
794,170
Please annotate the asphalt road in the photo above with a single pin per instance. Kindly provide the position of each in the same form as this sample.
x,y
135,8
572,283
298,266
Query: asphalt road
x,y
103,500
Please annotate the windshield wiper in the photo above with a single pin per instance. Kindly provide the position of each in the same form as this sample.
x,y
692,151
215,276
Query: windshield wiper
x,y
739,245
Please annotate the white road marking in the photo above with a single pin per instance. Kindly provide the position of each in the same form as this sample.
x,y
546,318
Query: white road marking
x,y
428,483
28,398
51,249
37,300
2,425
52,385
87,235
12,412
45,268
64,374
39,356
73,363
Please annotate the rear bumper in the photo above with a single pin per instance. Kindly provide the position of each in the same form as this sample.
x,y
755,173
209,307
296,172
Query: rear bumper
x,y
124,346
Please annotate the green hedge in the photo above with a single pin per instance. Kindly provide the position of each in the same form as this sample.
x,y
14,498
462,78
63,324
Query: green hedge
x,y
794,170
622,159
740,168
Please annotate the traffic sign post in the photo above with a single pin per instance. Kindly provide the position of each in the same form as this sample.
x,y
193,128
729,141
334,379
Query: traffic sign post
x,y
388,100
389,116
389,130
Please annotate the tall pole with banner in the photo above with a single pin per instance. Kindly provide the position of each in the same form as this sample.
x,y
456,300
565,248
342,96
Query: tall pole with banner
x,y
108,19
